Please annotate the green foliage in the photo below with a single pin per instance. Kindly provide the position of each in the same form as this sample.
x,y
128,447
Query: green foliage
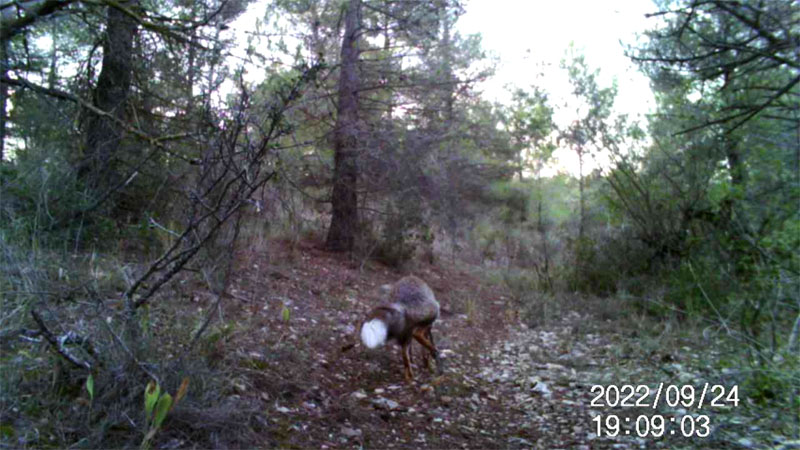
x,y
151,395
90,386
7,431
698,213
45,202
163,406
766,386
534,303
286,314
39,192
591,271
704,212
156,407
214,339
529,121
515,200
404,229
71,250
522,285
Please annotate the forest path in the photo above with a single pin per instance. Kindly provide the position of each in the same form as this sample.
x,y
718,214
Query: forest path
x,y
503,385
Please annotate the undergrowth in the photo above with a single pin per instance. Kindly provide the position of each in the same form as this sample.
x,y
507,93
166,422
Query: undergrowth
x,y
44,400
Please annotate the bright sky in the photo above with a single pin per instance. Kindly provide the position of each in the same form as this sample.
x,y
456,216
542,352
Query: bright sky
x,y
526,33
531,37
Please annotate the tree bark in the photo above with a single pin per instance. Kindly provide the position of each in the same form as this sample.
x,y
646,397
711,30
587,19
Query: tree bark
x,y
103,136
344,219
3,94
11,24
582,197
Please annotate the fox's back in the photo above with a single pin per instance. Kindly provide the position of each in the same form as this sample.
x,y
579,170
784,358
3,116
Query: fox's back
x,y
416,299
408,315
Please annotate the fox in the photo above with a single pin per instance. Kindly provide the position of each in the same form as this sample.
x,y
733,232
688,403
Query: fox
x,y
408,315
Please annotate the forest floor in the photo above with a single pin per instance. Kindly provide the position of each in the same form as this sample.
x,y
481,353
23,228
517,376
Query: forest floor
x,y
503,385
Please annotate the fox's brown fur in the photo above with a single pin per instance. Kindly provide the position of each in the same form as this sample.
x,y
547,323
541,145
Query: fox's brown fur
x,y
408,315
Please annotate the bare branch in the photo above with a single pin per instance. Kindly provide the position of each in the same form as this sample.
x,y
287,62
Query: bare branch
x,y
58,344
9,28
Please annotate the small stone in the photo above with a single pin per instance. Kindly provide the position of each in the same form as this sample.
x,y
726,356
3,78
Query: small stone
x,y
359,395
351,432
385,403
542,389
239,387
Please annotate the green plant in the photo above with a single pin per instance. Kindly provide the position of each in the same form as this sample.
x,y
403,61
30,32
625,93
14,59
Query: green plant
x,y
90,386
402,232
470,309
286,314
157,406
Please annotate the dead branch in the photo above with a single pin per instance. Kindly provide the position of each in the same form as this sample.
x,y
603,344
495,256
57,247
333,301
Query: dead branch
x,y
59,344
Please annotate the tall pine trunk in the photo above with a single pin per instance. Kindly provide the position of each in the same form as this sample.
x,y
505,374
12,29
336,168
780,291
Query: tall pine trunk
x,y
344,220
3,94
103,134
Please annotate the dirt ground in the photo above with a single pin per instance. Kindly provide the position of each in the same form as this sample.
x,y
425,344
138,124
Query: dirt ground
x,y
502,385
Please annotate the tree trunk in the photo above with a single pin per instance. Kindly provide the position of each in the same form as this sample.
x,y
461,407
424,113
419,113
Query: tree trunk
x,y
51,76
447,65
738,173
344,219
190,74
581,189
103,135
542,229
3,94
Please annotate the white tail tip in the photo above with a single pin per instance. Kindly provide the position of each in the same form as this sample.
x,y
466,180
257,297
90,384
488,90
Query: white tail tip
x,y
373,333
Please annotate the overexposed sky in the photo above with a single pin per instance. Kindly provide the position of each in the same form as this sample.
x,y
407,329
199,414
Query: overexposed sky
x,y
531,37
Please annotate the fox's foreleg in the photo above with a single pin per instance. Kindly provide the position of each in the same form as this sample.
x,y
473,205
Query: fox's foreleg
x,y
425,338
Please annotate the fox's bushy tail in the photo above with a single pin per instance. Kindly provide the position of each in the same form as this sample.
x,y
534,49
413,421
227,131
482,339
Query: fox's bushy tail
x,y
374,332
